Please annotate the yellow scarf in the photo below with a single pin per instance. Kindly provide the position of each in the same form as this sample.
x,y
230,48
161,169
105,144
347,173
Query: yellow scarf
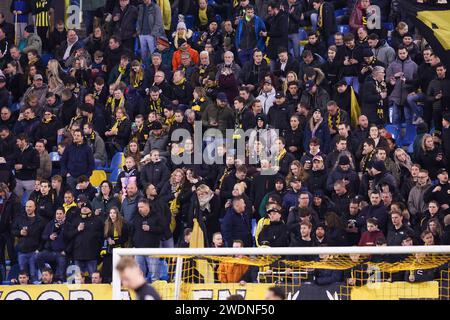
x,y
181,82
47,121
338,119
116,125
281,155
122,70
112,103
66,206
170,121
320,18
138,78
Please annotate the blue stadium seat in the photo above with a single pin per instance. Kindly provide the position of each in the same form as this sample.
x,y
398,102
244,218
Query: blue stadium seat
x,y
54,156
393,130
116,162
189,20
411,148
46,58
339,13
114,175
303,34
410,135
344,28
389,26
195,36
211,3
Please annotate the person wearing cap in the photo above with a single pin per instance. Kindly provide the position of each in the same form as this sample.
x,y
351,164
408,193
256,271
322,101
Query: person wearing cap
x,y
38,89
317,177
34,42
274,234
267,96
182,32
313,94
249,34
164,48
184,47
219,115
279,114
85,233
150,26
344,172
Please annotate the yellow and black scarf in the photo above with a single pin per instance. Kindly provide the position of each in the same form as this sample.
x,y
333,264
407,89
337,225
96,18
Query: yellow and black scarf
x,y
117,124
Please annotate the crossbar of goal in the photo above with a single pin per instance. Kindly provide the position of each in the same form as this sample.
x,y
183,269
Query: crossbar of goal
x,y
198,252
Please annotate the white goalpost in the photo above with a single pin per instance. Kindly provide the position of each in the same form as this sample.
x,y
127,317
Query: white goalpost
x,y
180,253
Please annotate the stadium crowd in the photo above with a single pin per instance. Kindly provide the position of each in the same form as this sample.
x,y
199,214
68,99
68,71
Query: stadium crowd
x,y
330,98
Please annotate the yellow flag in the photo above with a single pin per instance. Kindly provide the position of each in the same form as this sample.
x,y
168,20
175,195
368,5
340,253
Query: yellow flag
x,y
355,110
198,241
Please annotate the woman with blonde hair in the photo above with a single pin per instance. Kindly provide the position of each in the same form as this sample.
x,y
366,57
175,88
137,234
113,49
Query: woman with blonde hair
x,y
290,77
296,170
430,156
115,235
53,73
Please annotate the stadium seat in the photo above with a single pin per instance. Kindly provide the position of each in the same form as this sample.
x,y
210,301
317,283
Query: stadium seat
x,y
302,34
189,20
46,58
114,175
410,135
393,130
195,36
344,28
116,162
389,26
97,177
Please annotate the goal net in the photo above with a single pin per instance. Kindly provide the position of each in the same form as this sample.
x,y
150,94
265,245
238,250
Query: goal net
x,y
330,273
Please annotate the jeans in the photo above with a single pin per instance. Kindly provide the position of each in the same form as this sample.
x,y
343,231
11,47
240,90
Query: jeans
x,y
51,257
27,261
167,243
396,113
23,185
148,46
353,81
245,55
412,104
150,267
294,44
314,18
89,266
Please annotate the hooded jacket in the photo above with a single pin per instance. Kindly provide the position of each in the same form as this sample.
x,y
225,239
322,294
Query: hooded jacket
x,y
32,241
259,26
402,89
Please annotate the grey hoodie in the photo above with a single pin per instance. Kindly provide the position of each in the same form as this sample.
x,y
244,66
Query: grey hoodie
x,y
401,89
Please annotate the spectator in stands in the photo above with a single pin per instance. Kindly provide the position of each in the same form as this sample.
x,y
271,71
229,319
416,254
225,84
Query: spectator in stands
x,y
28,229
77,159
26,165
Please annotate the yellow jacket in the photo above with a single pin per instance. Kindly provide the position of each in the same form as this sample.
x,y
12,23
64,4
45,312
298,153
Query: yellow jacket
x,y
166,12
